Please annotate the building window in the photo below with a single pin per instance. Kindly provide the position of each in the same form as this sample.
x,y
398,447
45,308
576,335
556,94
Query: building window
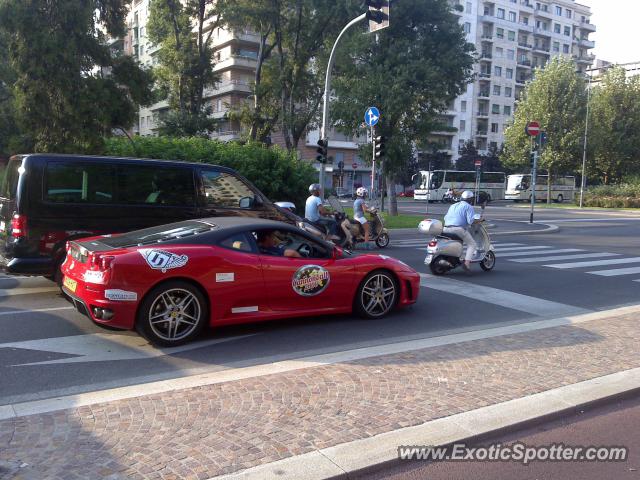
x,y
556,28
511,54
497,71
559,11
556,47
495,109
511,35
565,48
501,13
568,13
494,128
468,7
493,145
507,91
509,73
507,110
463,106
524,20
463,125
496,89
467,27
499,52
567,31
512,16
500,32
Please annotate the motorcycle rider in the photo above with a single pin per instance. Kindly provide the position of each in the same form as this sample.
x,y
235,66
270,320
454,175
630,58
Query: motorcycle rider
x,y
317,214
457,221
359,207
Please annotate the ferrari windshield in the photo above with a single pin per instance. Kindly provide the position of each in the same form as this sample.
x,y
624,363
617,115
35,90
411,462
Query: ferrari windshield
x,y
158,234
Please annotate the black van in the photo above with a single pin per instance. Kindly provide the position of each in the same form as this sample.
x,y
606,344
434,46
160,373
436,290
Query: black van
x,y
46,200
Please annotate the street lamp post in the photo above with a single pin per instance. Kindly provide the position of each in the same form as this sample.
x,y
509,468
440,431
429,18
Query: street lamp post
x,y
583,179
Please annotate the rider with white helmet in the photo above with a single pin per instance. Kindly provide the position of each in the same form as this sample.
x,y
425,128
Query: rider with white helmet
x,y
359,208
457,221
316,213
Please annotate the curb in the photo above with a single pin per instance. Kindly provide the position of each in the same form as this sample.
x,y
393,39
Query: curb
x,y
360,457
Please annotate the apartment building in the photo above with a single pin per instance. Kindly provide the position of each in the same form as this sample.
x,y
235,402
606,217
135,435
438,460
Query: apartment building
x,y
512,38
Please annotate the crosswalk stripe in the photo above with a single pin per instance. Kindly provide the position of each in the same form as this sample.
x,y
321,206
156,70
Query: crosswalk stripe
x,y
553,258
513,249
614,261
616,271
537,252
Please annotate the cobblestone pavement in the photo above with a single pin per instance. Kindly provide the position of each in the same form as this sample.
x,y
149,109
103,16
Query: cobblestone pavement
x,y
202,432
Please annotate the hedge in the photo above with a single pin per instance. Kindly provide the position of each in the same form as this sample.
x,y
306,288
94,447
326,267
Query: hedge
x,y
277,173
614,196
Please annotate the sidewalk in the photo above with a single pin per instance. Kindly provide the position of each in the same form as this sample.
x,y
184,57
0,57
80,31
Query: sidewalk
x,y
230,423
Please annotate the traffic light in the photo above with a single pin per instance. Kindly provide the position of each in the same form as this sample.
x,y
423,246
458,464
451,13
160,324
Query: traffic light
x,y
378,14
378,146
323,149
542,139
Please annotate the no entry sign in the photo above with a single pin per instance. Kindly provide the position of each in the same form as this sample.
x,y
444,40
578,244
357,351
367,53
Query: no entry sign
x,y
354,165
532,128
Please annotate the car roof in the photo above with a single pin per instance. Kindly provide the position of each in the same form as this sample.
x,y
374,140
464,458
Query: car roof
x,y
109,159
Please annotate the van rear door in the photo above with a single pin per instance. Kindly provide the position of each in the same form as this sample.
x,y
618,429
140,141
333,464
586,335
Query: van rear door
x,y
10,175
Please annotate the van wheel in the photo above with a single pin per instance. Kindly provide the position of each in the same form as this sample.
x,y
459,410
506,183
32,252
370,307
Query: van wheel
x,y
172,314
560,199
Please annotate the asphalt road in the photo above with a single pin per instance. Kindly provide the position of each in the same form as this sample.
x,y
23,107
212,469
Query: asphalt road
x,y
615,424
47,349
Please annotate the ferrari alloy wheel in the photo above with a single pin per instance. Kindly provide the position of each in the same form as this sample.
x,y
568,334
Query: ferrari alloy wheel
x,y
377,294
172,314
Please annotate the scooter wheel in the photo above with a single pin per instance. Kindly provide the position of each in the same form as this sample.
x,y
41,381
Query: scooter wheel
x,y
436,268
383,240
488,262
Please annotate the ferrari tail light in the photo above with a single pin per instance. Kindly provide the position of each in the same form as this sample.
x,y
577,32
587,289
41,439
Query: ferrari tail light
x,y
19,226
101,262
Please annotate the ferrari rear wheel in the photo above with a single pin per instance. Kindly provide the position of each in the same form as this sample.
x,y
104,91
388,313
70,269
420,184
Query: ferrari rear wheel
x,y
377,294
172,314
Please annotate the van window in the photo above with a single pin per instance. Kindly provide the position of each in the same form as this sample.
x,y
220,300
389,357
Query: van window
x,y
70,182
154,185
222,189
9,187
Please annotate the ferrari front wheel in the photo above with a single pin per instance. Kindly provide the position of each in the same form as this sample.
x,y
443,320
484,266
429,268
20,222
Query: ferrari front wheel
x,y
377,294
172,314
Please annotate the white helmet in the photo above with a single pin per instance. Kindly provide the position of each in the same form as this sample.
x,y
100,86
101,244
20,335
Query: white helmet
x,y
466,195
314,187
361,192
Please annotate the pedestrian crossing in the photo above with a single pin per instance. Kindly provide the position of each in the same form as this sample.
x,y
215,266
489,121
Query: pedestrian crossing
x,y
553,257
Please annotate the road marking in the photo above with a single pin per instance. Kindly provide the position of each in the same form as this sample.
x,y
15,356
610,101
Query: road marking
x,y
233,374
18,312
552,258
101,347
502,298
615,261
579,220
541,252
10,292
616,271
513,249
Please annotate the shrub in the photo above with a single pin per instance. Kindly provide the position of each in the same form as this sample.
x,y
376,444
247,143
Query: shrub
x,y
277,173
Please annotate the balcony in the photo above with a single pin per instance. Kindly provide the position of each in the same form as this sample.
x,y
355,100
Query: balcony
x,y
525,45
481,133
487,37
237,61
483,113
524,63
486,75
487,19
522,80
526,4
485,56
228,86
590,27
544,13
525,28
588,59
541,48
483,94
586,43
540,31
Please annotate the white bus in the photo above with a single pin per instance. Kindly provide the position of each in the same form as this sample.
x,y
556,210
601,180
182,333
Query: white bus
x,y
519,188
433,186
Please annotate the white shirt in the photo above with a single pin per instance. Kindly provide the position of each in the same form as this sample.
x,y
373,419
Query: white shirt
x,y
311,208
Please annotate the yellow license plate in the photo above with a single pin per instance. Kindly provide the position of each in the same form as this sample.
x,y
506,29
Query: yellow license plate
x,y
70,284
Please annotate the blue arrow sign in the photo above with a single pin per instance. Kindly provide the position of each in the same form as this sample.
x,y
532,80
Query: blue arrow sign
x,y
371,116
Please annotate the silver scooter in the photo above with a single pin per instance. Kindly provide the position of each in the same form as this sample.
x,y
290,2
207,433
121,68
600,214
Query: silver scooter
x,y
445,251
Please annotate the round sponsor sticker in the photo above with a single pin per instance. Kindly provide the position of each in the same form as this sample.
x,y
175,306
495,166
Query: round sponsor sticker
x,y
310,280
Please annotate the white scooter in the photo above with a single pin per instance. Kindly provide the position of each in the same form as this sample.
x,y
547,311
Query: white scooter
x,y
445,251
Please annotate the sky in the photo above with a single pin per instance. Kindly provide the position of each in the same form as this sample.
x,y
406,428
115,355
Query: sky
x,y
617,29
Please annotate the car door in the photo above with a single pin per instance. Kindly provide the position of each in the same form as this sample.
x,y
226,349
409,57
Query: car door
x,y
317,281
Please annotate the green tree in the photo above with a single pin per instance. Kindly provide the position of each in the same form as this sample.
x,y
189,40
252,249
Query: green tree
x,y
8,129
183,31
614,126
468,156
410,71
556,98
69,89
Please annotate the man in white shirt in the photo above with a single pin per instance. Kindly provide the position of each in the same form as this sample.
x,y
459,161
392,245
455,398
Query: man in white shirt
x,y
314,210
457,221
